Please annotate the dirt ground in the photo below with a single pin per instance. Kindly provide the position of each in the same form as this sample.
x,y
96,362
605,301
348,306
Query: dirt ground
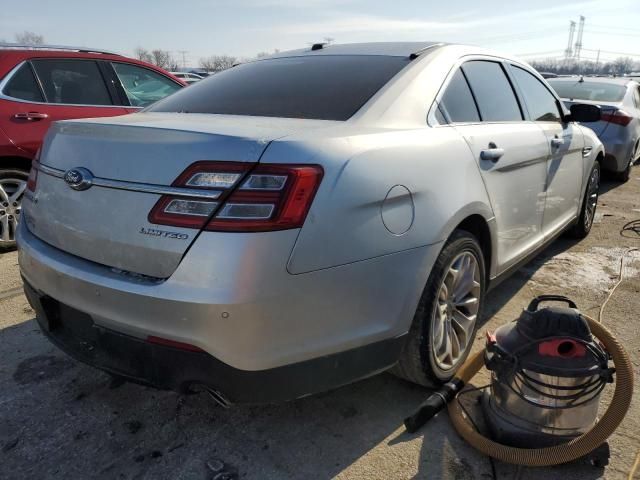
x,y
61,419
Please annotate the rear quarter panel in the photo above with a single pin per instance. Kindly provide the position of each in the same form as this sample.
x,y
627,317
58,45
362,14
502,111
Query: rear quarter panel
x,y
439,186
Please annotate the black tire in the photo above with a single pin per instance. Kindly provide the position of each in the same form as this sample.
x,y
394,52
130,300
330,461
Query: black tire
x,y
584,223
417,362
625,175
7,175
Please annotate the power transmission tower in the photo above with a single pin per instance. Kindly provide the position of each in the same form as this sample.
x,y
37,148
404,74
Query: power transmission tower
x,y
572,30
184,61
579,39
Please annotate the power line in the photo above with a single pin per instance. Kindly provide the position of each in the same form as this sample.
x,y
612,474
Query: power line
x,y
614,53
515,37
612,34
607,27
538,53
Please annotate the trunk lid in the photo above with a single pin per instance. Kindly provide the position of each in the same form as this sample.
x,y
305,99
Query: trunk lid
x,y
143,151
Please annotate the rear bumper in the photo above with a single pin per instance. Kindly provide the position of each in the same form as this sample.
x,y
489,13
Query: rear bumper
x,y
618,152
171,368
233,298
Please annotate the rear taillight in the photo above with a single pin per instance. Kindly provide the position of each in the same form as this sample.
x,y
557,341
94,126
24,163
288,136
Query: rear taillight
x,y
193,212
265,198
33,179
619,117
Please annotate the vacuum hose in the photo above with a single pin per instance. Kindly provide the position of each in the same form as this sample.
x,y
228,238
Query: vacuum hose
x,y
572,450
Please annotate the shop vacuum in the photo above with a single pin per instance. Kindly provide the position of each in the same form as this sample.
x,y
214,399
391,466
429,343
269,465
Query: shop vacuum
x,y
548,370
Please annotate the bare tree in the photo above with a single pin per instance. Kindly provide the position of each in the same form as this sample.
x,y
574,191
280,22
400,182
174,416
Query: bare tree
x,y
174,65
572,67
217,63
161,58
266,54
29,38
622,65
143,55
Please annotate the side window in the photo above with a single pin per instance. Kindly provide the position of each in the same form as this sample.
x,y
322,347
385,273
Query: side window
x,y
72,82
492,91
636,96
23,85
540,102
457,104
143,86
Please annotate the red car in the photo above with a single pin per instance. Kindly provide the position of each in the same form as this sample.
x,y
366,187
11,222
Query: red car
x,y
39,85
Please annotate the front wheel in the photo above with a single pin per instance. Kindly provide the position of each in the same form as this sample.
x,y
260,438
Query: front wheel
x,y
13,183
589,204
445,322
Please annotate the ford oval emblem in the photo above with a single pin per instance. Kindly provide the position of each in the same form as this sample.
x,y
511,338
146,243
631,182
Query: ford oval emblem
x,y
78,178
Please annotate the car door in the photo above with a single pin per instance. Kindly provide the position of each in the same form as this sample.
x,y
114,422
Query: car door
x,y
142,86
41,91
565,143
510,153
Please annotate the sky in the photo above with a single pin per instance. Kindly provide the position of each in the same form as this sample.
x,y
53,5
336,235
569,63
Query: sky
x,y
243,28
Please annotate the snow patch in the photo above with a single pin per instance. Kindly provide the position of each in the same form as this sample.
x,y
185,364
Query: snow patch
x,y
596,269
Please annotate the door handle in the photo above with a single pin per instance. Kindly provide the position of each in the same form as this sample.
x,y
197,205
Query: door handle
x,y
31,116
557,142
493,153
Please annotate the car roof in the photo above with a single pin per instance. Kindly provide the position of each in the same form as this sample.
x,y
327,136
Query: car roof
x,y
391,49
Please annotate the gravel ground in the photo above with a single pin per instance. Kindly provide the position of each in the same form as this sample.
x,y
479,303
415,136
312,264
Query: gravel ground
x,y
61,419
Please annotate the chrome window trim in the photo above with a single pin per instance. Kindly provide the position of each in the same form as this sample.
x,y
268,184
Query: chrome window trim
x,y
136,186
15,69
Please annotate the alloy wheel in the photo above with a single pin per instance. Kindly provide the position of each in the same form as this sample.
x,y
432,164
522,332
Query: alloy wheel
x,y
456,310
11,192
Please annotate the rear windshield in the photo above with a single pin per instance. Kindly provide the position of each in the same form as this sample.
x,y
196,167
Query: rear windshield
x,y
596,91
321,87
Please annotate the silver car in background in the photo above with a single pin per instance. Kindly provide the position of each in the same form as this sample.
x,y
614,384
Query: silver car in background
x,y
619,127
304,220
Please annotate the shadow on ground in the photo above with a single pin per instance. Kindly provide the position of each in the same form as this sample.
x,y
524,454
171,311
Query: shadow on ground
x,y
61,419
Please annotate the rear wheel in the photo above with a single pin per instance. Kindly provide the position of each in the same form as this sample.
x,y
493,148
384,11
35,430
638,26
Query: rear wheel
x,y
13,184
625,175
589,205
445,322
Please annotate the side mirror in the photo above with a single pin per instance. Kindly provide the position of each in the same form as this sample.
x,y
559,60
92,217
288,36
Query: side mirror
x,y
585,113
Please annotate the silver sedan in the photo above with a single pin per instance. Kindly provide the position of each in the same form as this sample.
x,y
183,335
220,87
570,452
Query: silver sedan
x,y
619,127
304,220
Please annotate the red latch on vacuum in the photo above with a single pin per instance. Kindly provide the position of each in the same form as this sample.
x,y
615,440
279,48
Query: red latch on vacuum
x,y
562,347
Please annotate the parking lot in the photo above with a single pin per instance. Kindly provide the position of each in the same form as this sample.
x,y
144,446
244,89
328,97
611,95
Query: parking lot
x,y
61,419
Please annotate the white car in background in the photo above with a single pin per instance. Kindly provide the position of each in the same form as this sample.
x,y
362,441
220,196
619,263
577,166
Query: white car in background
x,y
187,77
